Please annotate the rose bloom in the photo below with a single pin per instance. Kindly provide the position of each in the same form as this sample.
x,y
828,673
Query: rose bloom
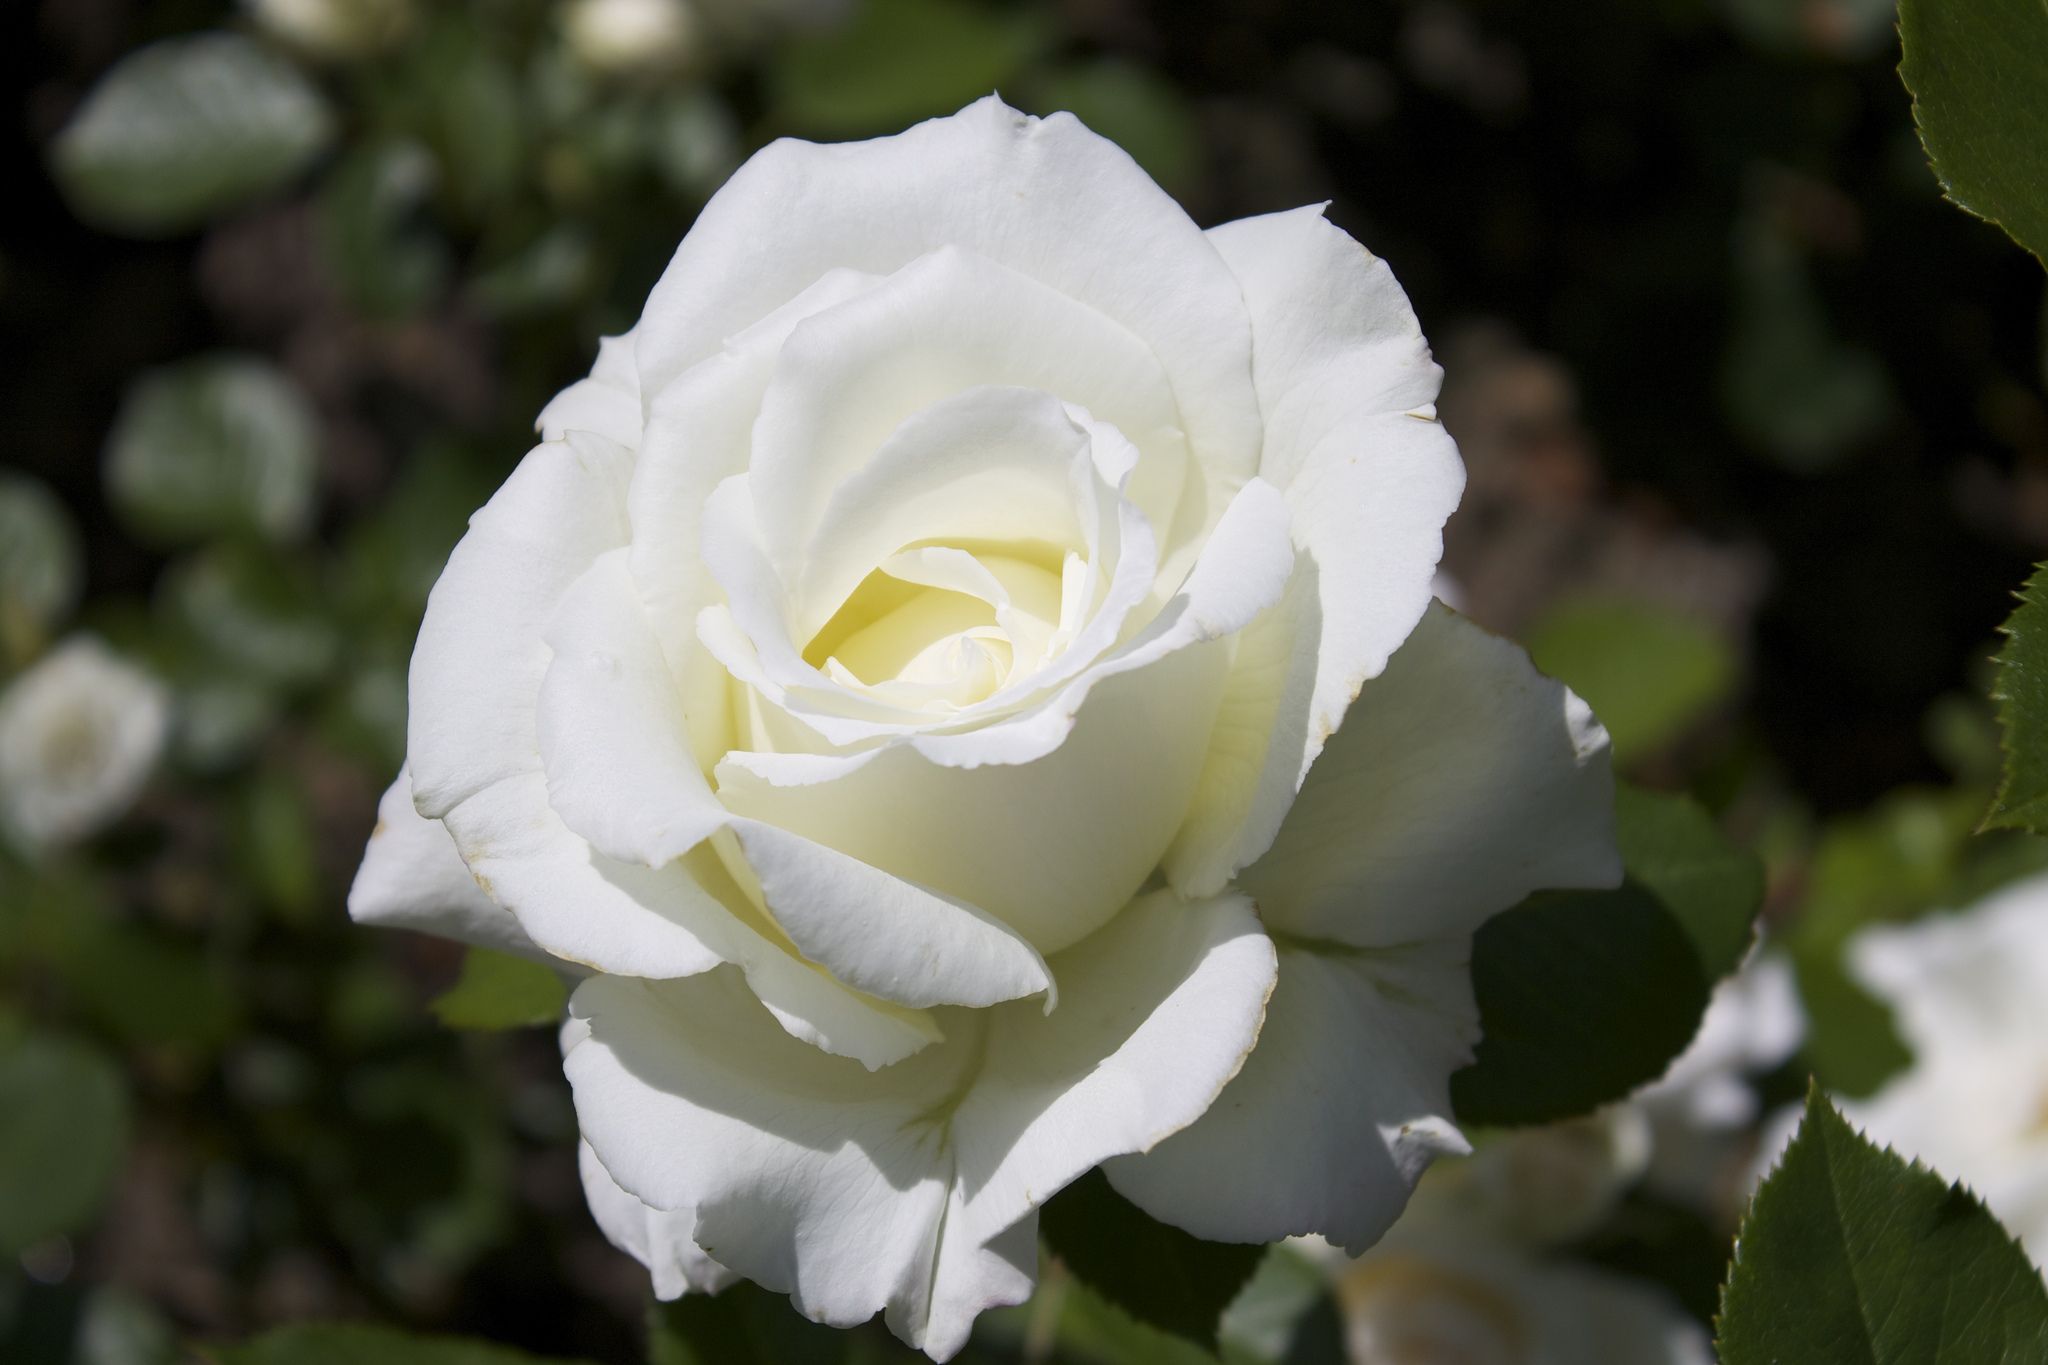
x,y
960,678
80,732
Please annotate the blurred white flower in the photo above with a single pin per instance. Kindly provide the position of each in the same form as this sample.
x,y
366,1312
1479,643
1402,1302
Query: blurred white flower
x,y
1434,1296
1703,1111
333,29
621,36
1541,1186
79,733
1967,992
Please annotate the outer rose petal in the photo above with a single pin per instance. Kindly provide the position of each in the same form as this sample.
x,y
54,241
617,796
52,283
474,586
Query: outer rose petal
x,y
1347,386
656,1238
607,403
412,878
915,1189
1461,781
1044,197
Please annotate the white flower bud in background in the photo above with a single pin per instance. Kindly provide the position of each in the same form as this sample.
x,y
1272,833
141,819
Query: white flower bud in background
x,y
333,30
79,733
621,37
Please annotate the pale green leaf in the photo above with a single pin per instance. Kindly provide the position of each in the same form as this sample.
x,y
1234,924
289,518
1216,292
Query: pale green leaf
x,y
497,991
1649,673
220,444
185,129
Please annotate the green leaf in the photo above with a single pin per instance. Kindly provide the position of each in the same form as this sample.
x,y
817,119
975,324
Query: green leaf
x,y
41,568
497,991
185,129
261,616
1585,995
212,446
748,1325
1713,889
1160,1275
1650,674
2021,692
897,61
1850,1256
63,1131
1978,73
342,1343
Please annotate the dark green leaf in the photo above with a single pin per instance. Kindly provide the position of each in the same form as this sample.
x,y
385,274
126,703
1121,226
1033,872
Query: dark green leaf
x,y
497,990
2022,695
256,615
897,61
1648,673
374,233
747,1325
210,446
1978,72
1158,1274
63,1129
360,1343
186,128
1712,888
1583,996
1850,1256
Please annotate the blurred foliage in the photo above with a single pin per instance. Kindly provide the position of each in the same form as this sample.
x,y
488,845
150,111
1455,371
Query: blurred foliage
x,y
283,284
1850,1255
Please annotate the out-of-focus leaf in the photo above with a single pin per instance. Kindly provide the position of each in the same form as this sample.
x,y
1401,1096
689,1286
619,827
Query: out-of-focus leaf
x,y
497,990
63,1129
1711,887
1158,1274
255,612
221,717
1791,386
1285,1315
1133,107
40,564
186,128
1850,1256
696,142
1091,1330
450,88
546,273
1978,72
897,61
1583,996
212,446
349,1343
374,235
2022,695
1649,673
275,852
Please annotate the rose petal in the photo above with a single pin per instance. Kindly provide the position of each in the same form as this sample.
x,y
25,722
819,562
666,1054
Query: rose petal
x,y
412,878
656,1238
620,771
914,1189
1346,383
1337,1112
1046,198
1462,780
607,403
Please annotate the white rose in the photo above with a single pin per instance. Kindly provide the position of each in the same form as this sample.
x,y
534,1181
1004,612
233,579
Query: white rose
x,y
908,675
80,732
334,29
630,35
1966,992
1422,1300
